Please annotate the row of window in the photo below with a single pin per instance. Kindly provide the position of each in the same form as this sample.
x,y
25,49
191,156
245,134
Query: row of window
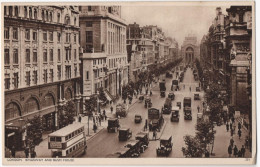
x,y
45,35
75,147
112,62
74,134
7,58
32,13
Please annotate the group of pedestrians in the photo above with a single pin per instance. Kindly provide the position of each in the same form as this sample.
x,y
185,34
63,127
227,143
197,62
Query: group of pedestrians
x,y
232,149
232,127
28,151
98,119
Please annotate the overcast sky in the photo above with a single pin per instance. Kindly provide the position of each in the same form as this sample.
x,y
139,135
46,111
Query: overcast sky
x,y
176,21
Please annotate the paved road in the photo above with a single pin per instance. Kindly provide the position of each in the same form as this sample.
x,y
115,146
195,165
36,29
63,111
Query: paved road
x,y
106,143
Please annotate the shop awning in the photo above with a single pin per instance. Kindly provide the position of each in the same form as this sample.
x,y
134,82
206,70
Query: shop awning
x,y
108,95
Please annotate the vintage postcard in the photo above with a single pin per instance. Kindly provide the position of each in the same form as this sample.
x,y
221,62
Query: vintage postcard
x,y
98,83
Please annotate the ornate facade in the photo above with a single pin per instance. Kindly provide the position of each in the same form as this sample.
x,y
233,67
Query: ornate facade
x,y
190,49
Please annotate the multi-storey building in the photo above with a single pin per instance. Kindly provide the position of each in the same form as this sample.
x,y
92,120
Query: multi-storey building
x,y
238,49
173,50
104,56
190,49
41,65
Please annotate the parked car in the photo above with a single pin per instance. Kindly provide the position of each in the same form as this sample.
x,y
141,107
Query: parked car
x,y
138,118
124,134
113,125
175,114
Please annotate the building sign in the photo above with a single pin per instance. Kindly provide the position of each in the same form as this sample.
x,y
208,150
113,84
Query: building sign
x,y
54,145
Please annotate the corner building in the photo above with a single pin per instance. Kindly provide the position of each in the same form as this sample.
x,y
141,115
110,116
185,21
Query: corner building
x,y
41,66
103,53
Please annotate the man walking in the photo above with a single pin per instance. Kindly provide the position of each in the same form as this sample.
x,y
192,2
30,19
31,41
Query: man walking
x,y
26,151
198,109
227,127
239,125
190,88
230,126
231,142
111,108
235,151
239,133
243,150
230,150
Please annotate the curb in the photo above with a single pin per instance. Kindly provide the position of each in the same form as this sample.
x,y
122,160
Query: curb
x,y
92,136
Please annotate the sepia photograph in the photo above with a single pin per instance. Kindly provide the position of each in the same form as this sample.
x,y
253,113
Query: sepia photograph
x,y
100,82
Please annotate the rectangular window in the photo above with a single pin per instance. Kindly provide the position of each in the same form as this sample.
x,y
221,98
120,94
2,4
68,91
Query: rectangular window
x,y
35,77
68,72
6,33
35,56
51,75
75,71
51,36
15,33
89,36
89,8
59,58
59,36
7,81
75,38
35,35
58,17
51,55
45,76
45,58
88,24
27,34
27,56
7,57
59,72
27,78
15,56
16,80
44,36
87,75
75,54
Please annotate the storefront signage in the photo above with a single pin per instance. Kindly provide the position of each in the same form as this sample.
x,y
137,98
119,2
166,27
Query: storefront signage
x,y
54,145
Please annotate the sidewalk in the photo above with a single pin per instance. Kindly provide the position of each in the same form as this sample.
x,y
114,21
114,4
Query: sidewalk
x,y
222,140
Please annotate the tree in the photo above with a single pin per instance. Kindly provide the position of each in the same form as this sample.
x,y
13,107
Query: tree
x,y
91,104
66,114
205,132
34,131
102,95
193,147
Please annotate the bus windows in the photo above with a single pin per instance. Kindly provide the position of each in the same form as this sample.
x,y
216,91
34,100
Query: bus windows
x,y
52,138
58,139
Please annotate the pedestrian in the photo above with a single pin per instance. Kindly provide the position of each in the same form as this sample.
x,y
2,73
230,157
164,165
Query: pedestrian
x,y
190,89
230,125
239,133
207,154
235,151
105,117
13,151
33,154
227,127
111,108
247,142
26,151
99,118
243,150
198,108
234,128
104,112
231,132
239,154
232,142
79,118
233,120
203,104
154,137
239,125
94,127
230,150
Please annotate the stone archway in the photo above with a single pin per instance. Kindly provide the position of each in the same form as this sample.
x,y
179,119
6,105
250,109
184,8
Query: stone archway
x,y
189,55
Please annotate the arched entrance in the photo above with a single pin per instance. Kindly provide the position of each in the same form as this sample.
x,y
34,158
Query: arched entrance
x,y
189,55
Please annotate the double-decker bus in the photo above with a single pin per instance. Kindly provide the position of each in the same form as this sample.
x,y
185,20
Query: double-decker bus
x,y
69,141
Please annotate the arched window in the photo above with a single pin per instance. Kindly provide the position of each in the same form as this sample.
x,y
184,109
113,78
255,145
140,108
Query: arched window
x,y
10,11
67,20
12,110
16,11
48,100
25,11
43,16
35,14
30,106
68,94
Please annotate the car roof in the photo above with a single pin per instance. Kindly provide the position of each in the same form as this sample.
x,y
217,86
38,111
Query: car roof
x,y
124,129
165,137
175,108
112,119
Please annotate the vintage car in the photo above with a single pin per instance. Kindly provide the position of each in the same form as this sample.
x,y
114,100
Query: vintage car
x,y
162,93
179,104
168,75
167,107
138,118
143,138
135,147
124,134
187,113
165,146
121,110
197,89
199,117
171,95
175,114
113,125
147,102
141,98
121,153
196,96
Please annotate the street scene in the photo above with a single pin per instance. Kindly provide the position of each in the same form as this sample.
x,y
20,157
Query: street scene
x,y
99,82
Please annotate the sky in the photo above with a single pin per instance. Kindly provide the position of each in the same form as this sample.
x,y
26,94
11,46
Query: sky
x,y
175,21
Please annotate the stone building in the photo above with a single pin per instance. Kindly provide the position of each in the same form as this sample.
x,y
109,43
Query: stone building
x,y
190,49
104,56
41,66
239,47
